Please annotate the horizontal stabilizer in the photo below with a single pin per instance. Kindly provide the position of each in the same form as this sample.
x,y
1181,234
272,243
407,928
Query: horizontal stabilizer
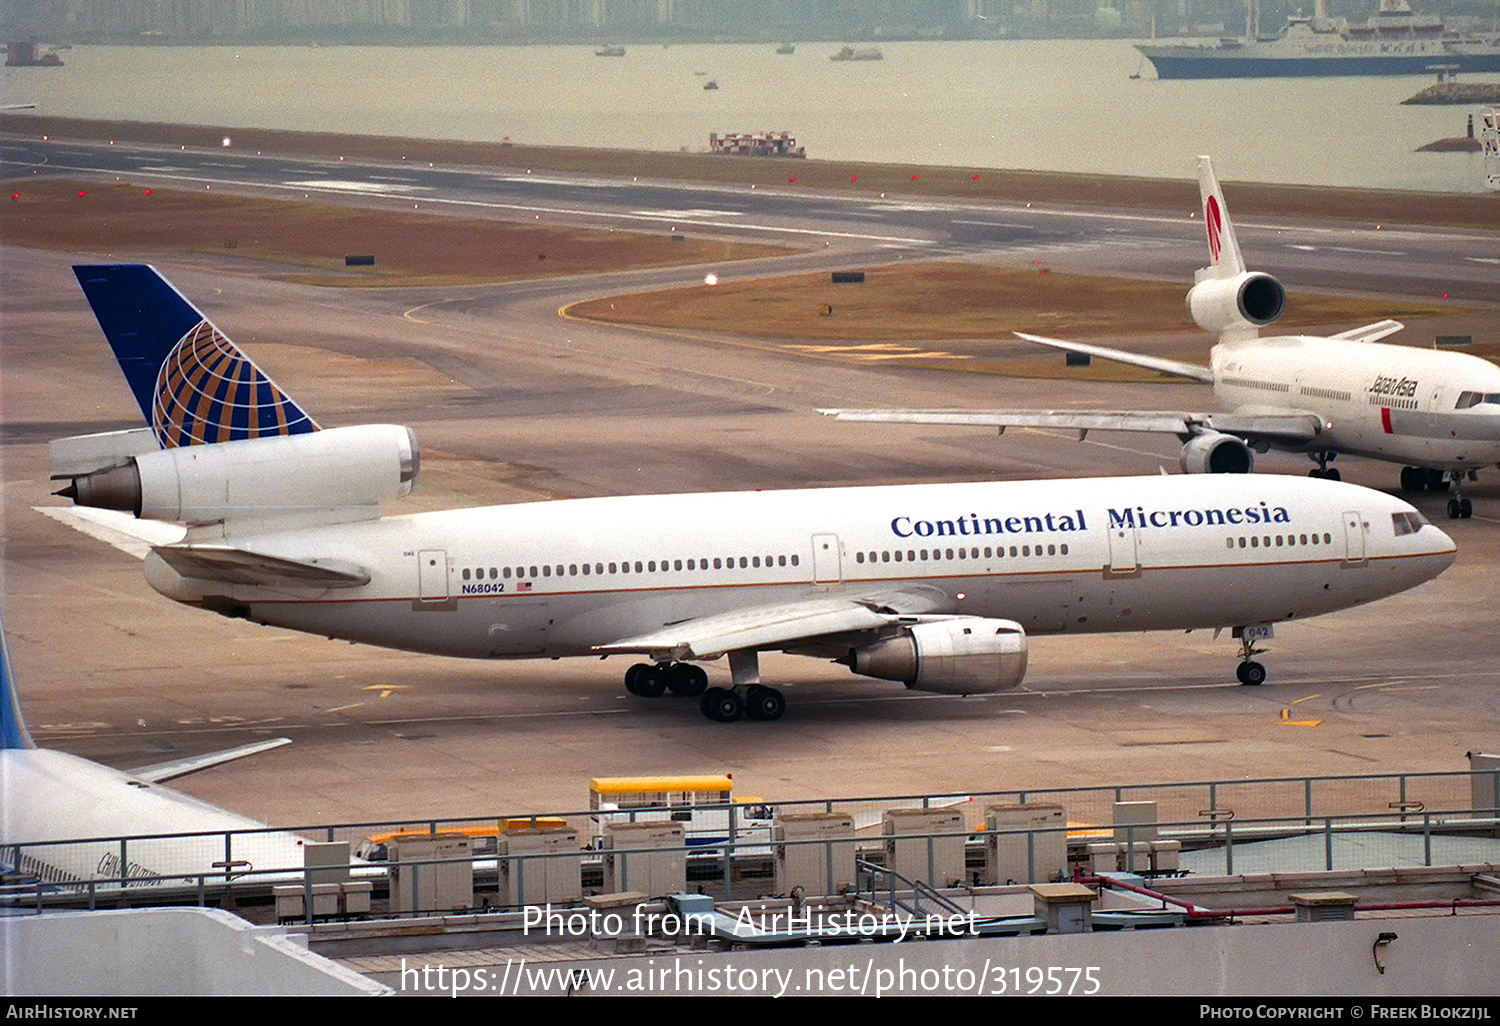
x,y
1176,368
115,528
238,566
1371,332
182,767
779,625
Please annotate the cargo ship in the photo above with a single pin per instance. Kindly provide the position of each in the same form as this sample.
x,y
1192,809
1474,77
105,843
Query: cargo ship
x,y
755,144
1396,41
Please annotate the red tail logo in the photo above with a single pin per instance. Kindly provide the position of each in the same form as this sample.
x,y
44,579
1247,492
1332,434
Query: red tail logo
x,y
1213,220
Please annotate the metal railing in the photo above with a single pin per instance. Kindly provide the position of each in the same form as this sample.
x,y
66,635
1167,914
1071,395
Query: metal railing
x,y
1221,814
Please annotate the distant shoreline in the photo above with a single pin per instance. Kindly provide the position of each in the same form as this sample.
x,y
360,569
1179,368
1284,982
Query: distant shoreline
x,y
1367,207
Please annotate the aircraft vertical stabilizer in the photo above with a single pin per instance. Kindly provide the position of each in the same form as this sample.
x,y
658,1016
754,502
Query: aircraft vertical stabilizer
x,y
12,728
192,383
1225,259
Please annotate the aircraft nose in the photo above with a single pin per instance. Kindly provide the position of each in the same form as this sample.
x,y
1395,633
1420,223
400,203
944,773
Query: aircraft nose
x,y
1442,548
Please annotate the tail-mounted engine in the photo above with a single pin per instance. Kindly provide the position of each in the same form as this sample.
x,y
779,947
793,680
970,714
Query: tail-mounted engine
x,y
965,655
338,474
1248,300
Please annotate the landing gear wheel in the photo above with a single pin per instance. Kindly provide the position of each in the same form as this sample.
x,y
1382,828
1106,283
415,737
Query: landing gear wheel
x,y
646,680
1455,509
722,705
763,703
687,680
1465,509
1251,673
1413,479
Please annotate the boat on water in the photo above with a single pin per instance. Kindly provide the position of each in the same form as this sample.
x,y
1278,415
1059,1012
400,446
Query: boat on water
x,y
27,54
1397,41
865,53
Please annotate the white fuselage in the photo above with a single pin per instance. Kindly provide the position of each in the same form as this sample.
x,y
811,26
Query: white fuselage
x,y
1388,402
50,796
565,577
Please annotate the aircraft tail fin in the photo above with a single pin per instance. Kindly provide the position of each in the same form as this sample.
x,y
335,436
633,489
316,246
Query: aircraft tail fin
x,y
193,385
1225,260
12,728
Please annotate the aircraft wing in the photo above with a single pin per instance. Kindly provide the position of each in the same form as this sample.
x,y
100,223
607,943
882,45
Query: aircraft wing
x,y
775,626
1371,332
1174,367
155,774
241,566
1282,428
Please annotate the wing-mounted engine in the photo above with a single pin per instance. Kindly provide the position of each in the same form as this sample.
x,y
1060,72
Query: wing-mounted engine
x,y
1237,304
336,475
1213,452
966,655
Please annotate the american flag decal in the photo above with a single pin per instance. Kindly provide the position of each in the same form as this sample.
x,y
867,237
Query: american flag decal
x,y
208,391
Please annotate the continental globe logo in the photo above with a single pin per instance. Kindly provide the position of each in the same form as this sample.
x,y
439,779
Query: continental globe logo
x,y
208,391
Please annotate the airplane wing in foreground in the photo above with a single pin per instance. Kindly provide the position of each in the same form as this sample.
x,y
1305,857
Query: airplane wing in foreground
x,y
162,771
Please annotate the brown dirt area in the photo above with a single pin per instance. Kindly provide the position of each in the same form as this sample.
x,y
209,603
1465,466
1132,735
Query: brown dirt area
x,y
1305,203
310,240
965,307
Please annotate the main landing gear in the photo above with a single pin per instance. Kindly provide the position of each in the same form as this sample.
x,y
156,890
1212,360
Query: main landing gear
x,y
759,703
748,698
652,680
1425,479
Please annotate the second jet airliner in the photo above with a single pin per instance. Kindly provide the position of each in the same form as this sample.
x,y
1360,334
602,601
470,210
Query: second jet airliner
x,y
1435,411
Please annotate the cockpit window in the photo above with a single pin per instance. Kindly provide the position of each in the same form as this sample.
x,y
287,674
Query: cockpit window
x,y
1471,399
1408,523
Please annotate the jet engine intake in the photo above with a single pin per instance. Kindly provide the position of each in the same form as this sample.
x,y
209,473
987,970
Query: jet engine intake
x,y
333,472
1213,452
1248,300
965,655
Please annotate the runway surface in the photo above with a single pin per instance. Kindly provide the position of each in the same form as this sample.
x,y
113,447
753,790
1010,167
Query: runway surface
x,y
512,403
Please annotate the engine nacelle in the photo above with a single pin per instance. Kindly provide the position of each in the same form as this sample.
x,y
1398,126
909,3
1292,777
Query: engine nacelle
x,y
341,469
1248,300
966,655
1215,453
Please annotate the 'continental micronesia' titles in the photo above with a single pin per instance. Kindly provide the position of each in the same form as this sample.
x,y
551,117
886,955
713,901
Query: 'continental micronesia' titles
x,y
1234,515
973,525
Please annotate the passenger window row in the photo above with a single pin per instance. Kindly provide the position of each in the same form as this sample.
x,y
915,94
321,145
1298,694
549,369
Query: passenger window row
x,y
987,552
639,566
1256,541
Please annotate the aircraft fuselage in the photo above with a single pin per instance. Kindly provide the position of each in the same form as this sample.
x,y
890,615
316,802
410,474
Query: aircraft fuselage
x,y
1083,556
1388,402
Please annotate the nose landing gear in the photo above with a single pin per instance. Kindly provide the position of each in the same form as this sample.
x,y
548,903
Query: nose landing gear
x,y
1250,672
